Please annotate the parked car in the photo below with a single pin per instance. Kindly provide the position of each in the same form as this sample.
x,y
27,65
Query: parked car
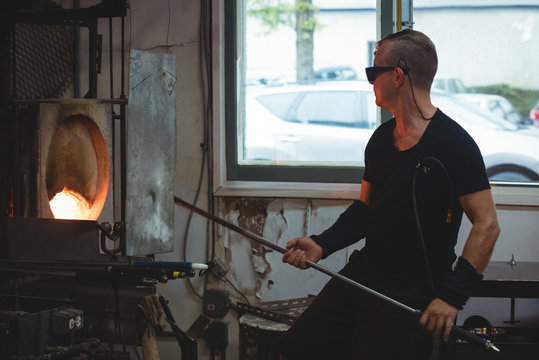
x,y
534,114
330,123
449,84
510,152
333,73
496,106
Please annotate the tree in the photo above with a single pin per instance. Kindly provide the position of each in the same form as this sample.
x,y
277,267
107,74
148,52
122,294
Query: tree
x,y
300,17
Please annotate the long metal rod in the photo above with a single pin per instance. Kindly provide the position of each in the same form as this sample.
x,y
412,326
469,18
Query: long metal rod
x,y
456,331
282,250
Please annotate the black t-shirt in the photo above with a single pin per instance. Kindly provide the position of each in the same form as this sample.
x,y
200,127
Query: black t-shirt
x,y
392,260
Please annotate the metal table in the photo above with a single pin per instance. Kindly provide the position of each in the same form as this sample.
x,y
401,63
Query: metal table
x,y
510,279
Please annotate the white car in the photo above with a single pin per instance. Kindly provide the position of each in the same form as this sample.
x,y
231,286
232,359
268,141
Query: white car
x,y
510,152
495,106
331,123
326,123
449,84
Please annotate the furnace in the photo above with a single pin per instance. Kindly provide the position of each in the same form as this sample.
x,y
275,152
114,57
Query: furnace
x,y
65,180
75,147
86,199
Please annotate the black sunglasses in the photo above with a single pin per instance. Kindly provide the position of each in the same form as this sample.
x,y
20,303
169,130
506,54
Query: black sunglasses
x,y
374,71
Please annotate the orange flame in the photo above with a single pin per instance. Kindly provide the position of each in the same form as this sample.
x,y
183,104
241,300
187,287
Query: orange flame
x,y
69,204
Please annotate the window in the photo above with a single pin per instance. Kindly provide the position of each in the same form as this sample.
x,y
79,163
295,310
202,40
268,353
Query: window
x,y
283,127
298,105
494,73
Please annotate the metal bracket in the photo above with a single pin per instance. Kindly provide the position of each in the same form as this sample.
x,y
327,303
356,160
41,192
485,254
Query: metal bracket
x,y
113,233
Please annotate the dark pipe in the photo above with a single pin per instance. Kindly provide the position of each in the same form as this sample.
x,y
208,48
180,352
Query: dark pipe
x,y
111,72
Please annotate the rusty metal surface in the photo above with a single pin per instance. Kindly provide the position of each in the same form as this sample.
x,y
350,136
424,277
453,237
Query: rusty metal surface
x,y
272,315
257,322
151,153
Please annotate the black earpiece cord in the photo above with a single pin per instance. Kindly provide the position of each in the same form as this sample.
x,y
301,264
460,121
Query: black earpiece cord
x,y
415,102
406,71
416,212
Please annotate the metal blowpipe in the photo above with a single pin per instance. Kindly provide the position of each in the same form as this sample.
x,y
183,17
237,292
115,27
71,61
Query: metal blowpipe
x,y
455,331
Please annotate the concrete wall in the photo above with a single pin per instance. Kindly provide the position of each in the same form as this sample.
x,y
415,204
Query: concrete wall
x,y
259,275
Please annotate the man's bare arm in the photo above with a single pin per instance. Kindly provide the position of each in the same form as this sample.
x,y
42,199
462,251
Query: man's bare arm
x,y
480,209
439,316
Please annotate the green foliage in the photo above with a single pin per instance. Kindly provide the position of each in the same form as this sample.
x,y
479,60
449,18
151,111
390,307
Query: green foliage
x,y
310,24
522,99
273,13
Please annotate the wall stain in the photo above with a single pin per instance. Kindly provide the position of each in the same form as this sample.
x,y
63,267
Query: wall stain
x,y
252,217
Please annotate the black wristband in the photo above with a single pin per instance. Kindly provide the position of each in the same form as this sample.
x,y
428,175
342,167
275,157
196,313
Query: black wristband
x,y
351,226
460,284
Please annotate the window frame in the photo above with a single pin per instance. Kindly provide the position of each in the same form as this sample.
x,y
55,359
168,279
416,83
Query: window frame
x,y
327,182
265,173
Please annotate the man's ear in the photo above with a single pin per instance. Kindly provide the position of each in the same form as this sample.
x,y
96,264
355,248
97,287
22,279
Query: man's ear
x,y
398,77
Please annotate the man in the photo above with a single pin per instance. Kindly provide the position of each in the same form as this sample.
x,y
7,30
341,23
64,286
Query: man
x,y
422,171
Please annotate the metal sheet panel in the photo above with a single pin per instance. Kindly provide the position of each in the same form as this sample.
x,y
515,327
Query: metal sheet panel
x,y
151,153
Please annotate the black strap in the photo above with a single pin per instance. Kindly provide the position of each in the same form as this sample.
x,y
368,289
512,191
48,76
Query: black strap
x,y
460,284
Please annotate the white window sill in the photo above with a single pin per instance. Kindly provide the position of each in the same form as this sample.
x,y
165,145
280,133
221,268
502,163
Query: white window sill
x,y
503,194
515,195
288,190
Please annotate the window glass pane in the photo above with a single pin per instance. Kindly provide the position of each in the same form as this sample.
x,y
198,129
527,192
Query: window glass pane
x,y
304,99
328,108
279,104
489,82
309,124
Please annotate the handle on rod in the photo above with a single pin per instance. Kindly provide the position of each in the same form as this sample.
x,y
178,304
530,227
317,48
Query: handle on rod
x,y
458,332
472,338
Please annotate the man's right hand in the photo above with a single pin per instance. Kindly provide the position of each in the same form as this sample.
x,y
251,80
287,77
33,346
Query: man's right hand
x,y
301,249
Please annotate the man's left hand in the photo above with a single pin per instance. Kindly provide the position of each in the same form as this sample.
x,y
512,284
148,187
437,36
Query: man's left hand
x,y
438,319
